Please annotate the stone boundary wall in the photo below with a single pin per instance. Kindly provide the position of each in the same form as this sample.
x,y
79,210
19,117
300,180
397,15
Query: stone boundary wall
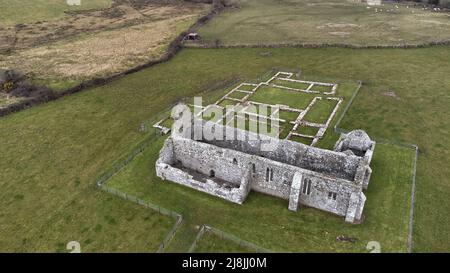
x,y
212,45
225,236
172,50
415,147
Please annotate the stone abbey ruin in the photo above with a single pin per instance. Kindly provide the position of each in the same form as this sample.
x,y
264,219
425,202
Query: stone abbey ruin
x,y
332,181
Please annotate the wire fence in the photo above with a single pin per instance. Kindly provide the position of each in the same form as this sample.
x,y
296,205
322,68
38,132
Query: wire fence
x,y
225,236
149,140
347,107
178,218
101,184
119,166
338,130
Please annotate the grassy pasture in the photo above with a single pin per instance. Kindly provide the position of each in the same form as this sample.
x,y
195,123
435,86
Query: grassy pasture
x,y
93,44
325,21
212,243
25,11
48,149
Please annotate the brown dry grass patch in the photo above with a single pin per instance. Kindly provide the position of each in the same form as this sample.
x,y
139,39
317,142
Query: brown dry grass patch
x,y
133,38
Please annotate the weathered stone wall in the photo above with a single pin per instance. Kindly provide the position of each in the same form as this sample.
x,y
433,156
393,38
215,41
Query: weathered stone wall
x,y
358,142
327,180
328,162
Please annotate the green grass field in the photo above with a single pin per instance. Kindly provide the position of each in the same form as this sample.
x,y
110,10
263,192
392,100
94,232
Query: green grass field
x,y
26,11
275,95
266,220
324,21
52,153
212,243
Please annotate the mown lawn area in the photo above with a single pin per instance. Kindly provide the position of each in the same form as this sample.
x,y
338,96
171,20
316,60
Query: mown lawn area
x,y
49,149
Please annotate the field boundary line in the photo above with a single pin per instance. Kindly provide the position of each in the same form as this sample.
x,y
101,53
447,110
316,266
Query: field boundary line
x,y
102,181
338,130
413,193
225,236
178,217
215,45
172,49
347,107
178,43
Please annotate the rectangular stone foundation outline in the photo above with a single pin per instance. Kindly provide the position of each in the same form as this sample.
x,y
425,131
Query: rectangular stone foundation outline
x,y
283,76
